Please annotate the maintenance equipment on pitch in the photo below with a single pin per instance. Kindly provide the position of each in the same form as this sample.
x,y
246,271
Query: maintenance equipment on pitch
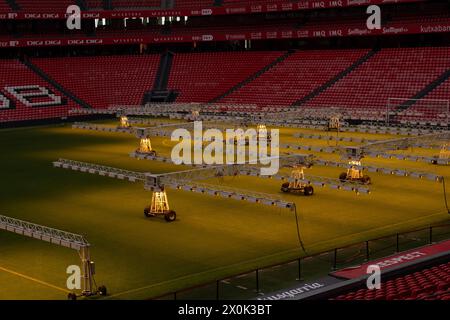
x,y
444,155
64,239
188,180
297,183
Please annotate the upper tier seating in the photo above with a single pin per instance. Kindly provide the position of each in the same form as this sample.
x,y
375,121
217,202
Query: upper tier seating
x,y
14,73
104,81
295,77
200,77
429,284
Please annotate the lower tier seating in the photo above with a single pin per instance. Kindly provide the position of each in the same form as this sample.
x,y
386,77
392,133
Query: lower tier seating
x,y
429,284
26,96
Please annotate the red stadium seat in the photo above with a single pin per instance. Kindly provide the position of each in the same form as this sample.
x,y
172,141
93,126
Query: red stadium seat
x,y
428,284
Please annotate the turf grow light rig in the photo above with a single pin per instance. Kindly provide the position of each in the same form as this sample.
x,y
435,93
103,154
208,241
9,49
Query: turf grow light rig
x,y
444,155
380,148
63,239
192,180
297,183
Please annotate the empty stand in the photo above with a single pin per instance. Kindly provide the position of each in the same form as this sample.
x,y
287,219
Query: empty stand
x,y
433,106
263,78
429,284
200,77
104,81
295,77
391,73
13,73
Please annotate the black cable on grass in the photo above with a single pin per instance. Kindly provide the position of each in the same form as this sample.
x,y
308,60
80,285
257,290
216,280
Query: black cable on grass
x,y
445,195
298,229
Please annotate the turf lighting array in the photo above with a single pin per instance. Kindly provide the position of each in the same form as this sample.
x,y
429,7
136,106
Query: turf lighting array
x,y
229,193
177,180
148,121
335,184
94,127
60,238
406,131
387,171
55,236
320,149
158,131
142,156
100,170
410,158
331,138
277,115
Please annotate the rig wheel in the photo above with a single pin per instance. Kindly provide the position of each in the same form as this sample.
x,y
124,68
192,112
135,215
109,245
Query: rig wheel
x,y
308,191
170,216
102,291
343,176
147,213
71,296
285,187
366,180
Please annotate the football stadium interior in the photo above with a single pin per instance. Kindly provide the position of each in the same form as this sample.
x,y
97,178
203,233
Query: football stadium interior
x,y
357,93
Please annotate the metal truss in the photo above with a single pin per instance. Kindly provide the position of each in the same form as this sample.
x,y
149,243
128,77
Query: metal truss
x,y
276,115
321,149
61,238
36,231
95,127
332,137
382,170
379,148
328,182
92,168
156,182
406,131
415,158
229,193
254,171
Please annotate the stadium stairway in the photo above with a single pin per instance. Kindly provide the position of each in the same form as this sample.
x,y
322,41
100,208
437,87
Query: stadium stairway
x,y
107,4
425,91
160,93
82,4
13,5
338,77
55,84
253,76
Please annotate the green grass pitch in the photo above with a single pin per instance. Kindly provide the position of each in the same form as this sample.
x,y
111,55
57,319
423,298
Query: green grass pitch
x,y
213,238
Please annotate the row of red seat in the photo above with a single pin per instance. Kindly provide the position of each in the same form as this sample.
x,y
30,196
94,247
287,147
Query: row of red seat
x,y
429,284
202,77
104,81
392,75
389,77
15,74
